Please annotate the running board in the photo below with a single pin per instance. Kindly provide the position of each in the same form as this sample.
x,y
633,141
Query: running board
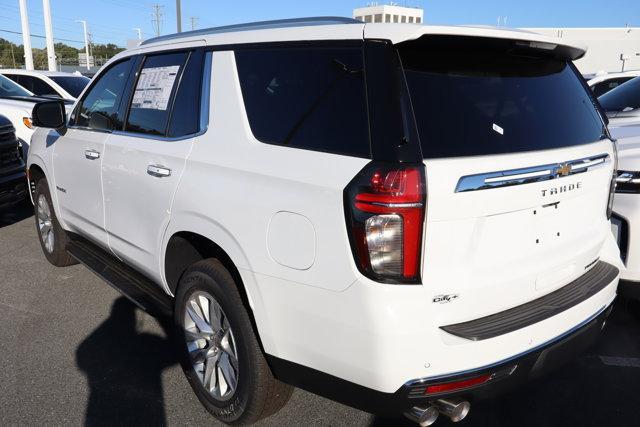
x,y
142,291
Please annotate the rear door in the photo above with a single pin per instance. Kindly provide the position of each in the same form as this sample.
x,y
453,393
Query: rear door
x,y
518,170
144,163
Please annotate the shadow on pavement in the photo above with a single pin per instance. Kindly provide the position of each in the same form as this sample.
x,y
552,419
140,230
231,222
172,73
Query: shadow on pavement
x,y
124,368
16,214
600,388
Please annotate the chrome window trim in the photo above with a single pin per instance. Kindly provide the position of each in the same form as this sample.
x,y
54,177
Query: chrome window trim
x,y
507,178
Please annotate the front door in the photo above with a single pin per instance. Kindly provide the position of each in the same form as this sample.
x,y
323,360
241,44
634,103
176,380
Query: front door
x,y
78,155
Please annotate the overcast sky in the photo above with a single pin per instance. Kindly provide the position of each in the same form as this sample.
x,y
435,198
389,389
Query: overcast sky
x,y
114,20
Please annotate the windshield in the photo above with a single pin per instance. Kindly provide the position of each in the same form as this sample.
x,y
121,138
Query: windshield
x,y
625,96
72,84
9,88
478,97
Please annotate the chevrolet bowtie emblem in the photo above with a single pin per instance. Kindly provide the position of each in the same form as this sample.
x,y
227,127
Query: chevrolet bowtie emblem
x,y
564,169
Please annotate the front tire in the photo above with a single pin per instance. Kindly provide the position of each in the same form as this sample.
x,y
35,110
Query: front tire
x,y
221,355
53,238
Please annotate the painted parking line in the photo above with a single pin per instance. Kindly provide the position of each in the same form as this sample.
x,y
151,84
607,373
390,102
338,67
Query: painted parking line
x,y
626,362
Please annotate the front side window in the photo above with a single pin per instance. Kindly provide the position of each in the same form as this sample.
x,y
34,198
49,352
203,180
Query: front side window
x,y
100,108
480,97
154,91
9,88
311,98
624,97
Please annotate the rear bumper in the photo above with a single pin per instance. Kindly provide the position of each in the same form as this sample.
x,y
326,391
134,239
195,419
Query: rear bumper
x,y
13,189
505,375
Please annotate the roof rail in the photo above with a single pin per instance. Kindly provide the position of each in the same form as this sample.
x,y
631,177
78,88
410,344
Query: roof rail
x,y
261,25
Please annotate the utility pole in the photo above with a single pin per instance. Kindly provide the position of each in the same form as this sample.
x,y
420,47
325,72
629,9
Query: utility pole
x,y
48,27
179,15
157,18
139,31
86,42
26,36
194,22
13,56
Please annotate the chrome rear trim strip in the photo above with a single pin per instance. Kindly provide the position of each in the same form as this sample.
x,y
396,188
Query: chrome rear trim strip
x,y
489,180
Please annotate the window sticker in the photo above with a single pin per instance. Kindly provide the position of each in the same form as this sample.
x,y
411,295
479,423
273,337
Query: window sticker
x,y
154,87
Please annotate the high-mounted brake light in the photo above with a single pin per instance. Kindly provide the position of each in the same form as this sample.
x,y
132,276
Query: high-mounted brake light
x,y
385,213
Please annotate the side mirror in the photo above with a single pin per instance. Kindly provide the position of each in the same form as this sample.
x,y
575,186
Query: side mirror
x,y
50,114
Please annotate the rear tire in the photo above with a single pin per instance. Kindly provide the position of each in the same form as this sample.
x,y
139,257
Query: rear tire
x,y
221,356
53,238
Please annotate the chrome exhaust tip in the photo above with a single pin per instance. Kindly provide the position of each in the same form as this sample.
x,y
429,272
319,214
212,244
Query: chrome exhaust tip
x,y
423,416
455,409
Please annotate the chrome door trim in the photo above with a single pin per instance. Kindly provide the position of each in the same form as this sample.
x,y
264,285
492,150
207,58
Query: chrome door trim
x,y
507,178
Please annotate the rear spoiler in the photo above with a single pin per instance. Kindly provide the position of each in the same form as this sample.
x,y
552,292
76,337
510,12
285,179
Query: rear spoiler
x,y
399,34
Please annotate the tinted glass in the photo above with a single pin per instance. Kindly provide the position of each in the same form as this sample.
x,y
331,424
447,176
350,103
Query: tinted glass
x,y
475,100
601,88
74,85
100,108
185,118
153,95
625,96
312,98
10,88
36,85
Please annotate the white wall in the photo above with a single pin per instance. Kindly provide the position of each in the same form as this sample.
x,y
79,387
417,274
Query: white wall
x,y
605,45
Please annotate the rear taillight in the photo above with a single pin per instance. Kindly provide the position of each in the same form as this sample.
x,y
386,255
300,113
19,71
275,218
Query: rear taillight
x,y
385,207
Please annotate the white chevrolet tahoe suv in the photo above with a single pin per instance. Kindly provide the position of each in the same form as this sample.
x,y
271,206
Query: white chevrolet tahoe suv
x,y
400,218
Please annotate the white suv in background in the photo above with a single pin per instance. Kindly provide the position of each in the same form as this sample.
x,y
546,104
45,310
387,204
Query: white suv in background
x,y
401,218
603,83
49,83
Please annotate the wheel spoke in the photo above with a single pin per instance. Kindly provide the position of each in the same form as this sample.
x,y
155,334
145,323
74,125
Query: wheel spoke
x,y
210,368
228,372
201,324
229,347
192,336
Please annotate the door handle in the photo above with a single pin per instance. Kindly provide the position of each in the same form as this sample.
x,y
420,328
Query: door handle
x,y
158,171
91,154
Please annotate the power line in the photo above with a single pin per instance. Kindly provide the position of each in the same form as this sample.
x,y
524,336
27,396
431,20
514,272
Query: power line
x,y
41,37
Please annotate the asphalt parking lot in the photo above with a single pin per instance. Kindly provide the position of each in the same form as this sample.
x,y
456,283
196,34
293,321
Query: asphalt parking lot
x,y
73,351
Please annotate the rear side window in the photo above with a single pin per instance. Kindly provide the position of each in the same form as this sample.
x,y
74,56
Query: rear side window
x,y
626,96
477,97
154,92
310,98
185,118
37,86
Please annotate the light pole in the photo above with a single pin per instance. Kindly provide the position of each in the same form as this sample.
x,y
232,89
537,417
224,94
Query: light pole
x,y
86,42
179,15
26,36
139,31
48,28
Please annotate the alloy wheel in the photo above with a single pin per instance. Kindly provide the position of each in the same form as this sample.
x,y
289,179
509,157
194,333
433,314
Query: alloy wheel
x,y
45,225
211,345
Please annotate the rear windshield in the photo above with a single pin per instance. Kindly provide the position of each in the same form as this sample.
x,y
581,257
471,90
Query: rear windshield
x,y
472,99
625,96
74,85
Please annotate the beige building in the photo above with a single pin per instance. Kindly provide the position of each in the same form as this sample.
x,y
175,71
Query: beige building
x,y
389,13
